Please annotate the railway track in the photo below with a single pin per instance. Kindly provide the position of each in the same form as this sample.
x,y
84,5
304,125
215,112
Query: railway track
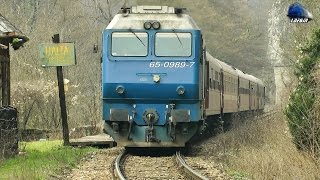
x,y
191,173
127,166
118,165
167,167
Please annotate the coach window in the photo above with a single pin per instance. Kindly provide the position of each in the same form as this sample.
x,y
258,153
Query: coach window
x,y
129,44
173,44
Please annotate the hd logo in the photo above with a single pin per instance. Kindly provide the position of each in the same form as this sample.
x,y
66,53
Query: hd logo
x,y
298,14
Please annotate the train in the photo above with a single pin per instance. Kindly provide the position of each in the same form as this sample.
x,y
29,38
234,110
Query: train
x,y
160,86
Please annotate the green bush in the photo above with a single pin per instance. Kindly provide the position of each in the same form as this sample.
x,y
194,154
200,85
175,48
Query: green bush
x,y
301,103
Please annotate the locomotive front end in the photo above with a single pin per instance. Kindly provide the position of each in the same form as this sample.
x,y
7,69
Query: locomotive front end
x,y
151,82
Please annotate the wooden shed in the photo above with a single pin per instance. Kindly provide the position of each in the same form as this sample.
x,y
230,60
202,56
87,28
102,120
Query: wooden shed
x,y
9,134
9,35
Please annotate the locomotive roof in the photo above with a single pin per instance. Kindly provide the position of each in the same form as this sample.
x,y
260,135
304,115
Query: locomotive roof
x,y
152,9
169,18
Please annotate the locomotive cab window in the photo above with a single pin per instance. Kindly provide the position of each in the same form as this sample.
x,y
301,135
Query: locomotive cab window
x,y
173,44
129,44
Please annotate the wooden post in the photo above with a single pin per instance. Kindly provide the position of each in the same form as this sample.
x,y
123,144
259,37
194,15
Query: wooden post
x,y
63,107
5,72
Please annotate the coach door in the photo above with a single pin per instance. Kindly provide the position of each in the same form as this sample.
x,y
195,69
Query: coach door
x,y
207,84
250,96
238,93
258,97
221,92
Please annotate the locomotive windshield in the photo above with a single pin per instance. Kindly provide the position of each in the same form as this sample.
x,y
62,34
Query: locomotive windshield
x,y
173,44
129,44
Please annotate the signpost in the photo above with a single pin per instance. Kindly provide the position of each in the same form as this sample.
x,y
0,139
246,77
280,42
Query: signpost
x,y
59,54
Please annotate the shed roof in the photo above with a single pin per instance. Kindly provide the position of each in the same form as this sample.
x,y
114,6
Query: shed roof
x,y
9,32
6,26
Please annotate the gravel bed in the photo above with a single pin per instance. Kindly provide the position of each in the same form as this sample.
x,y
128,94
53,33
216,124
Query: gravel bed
x,y
141,168
96,165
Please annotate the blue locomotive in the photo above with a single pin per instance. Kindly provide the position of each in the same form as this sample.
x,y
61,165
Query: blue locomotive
x,y
159,85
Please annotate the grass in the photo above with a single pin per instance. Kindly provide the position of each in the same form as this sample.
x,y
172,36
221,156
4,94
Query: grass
x,y
261,149
41,160
268,152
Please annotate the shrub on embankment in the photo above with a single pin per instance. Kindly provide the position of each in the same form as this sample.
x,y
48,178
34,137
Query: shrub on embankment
x,y
303,107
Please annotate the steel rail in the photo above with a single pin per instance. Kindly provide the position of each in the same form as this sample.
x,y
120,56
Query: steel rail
x,y
117,164
187,169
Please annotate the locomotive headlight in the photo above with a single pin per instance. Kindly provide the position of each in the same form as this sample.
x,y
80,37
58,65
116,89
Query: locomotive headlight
x,y
180,90
120,89
147,25
156,78
156,25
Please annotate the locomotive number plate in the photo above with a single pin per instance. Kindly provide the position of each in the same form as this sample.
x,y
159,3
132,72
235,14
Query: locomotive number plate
x,y
171,64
